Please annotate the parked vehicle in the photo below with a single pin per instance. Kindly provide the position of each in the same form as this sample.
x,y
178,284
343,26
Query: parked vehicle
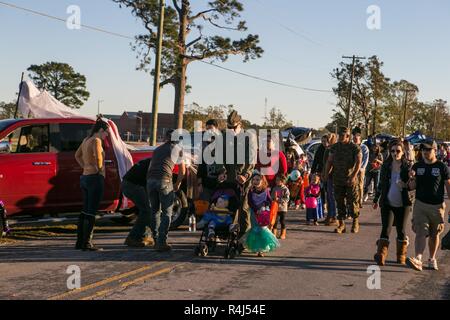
x,y
39,174
311,149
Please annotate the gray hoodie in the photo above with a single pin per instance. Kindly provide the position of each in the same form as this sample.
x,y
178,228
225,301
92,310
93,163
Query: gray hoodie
x,y
283,197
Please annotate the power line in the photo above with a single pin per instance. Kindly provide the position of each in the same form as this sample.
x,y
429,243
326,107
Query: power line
x,y
298,33
128,37
42,14
294,32
265,80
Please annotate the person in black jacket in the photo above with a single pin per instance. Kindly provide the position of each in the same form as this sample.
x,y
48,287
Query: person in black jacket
x,y
318,162
318,166
395,201
134,187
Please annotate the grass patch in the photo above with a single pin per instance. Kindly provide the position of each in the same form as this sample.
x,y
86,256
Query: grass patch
x,y
52,231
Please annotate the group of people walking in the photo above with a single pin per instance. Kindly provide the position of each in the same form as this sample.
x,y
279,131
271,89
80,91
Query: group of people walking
x,y
402,185
333,188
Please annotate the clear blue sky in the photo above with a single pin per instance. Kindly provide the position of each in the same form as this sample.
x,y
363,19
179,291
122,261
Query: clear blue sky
x,y
413,43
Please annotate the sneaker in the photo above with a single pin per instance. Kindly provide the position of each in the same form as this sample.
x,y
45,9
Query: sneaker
x,y
315,223
163,247
303,207
297,207
414,263
432,264
261,254
366,197
91,248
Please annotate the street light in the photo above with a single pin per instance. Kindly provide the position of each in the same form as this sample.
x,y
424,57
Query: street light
x,y
98,106
140,131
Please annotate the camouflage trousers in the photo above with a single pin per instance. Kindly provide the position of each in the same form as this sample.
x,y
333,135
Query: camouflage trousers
x,y
347,200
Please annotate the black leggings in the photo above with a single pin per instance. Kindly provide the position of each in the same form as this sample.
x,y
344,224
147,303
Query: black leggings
x,y
391,215
282,216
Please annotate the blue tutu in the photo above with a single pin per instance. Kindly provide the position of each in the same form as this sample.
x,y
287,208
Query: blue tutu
x,y
259,239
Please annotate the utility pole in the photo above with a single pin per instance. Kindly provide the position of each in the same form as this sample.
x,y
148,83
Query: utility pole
x,y
98,106
350,98
265,111
154,128
405,105
438,103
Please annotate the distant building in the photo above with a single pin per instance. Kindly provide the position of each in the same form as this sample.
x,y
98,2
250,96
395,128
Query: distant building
x,y
129,124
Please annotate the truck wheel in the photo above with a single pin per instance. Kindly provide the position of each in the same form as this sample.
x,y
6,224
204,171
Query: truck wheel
x,y
180,210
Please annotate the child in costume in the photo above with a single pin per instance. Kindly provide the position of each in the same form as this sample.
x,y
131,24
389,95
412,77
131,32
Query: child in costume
x,y
259,238
314,208
223,205
296,188
280,194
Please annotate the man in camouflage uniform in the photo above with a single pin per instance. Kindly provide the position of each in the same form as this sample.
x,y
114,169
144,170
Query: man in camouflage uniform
x,y
357,139
344,160
239,172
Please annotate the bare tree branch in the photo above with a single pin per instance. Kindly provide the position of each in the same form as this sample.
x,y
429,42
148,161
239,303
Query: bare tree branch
x,y
219,26
167,81
177,7
201,14
194,42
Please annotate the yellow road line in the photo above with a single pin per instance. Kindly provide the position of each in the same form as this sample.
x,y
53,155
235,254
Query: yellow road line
x,y
105,281
98,294
129,283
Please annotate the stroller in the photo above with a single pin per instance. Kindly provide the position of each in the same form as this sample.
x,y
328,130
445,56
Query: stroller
x,y
217,225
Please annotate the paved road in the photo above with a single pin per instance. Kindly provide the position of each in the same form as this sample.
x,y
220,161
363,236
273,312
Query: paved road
x,y
313,263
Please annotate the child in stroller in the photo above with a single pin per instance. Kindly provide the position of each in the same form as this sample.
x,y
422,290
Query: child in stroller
x,y
217,223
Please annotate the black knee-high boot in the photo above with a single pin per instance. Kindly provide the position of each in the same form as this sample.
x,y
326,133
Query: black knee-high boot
x,y
80,226
88,233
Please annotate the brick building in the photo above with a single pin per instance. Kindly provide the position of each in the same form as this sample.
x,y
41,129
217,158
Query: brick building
x,y
129,124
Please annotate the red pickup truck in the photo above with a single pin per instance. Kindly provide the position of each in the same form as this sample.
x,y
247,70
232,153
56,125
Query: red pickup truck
x,y
39,174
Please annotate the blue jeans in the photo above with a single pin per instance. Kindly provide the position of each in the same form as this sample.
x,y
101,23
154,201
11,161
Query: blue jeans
x,y
162,197
139,196
331,202
92,187
371,175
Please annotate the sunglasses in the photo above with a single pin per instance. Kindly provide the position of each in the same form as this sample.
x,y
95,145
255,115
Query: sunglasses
x,y
396,151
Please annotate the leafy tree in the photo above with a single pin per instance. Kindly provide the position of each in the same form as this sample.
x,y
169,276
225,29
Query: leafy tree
x,y
276,120
7,110
379,85
199,113
394,109
181,47
342,75
61,80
